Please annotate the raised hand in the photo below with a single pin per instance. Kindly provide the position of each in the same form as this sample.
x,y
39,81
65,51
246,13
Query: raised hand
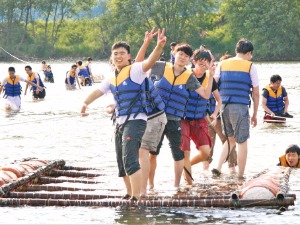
x,y
211,67
149,35
161,38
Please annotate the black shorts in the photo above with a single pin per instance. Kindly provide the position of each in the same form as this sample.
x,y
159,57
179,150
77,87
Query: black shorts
x,y
128,138
41,94
173,133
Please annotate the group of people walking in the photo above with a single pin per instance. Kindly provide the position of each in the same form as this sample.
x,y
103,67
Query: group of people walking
x,y
173,101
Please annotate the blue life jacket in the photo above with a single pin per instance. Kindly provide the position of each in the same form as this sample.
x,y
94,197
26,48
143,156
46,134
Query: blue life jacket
x,y
72,77
275,100
129,96
173,90
33,80
211,105
86,65
197,106
83,72
13,87
235,81
154,102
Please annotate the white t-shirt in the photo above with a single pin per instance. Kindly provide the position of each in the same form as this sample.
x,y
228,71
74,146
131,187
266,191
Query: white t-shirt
x,y
4,81
253,73
137,75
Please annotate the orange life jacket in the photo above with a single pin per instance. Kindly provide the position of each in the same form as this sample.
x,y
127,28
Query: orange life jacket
x,y
283,162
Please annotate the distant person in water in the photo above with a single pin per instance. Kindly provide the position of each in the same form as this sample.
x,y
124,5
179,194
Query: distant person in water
x,y
71,76
275,100
35,78
13,89
83,74
88,66
49,75
44,66
291,158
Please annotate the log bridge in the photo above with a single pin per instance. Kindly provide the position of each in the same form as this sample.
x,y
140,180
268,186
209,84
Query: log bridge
x,y
36,182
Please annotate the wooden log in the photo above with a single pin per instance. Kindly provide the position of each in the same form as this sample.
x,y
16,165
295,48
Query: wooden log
x,y
78,168
81,196
225,203
29,177
67,173
48,180
52,188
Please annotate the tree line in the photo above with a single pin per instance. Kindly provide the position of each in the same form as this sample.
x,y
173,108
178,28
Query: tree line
x,y
42,29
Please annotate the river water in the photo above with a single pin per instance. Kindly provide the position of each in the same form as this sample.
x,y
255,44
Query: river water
x,y
53,129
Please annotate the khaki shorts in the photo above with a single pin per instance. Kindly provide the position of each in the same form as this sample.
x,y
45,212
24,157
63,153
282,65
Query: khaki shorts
x,y
153,133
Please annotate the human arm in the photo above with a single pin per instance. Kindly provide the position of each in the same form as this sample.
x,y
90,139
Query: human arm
x,y
37,82
154,56
147,40
1,88
217,97
68,81
205,92
77,80
32,84
265,107
90,98
285,99
255,96
25,92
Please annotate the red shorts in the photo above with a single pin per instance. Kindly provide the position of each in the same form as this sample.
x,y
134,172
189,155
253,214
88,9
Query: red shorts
x,y
195,130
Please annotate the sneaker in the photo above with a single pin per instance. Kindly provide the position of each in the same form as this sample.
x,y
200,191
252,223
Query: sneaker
x,y
288,115
126,197
133,199
216,172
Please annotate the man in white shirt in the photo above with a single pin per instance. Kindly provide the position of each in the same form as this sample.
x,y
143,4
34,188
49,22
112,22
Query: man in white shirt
x,y
128,88
236,77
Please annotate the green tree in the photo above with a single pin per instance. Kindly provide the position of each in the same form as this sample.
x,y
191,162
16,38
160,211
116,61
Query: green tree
x,y
183,19
272,25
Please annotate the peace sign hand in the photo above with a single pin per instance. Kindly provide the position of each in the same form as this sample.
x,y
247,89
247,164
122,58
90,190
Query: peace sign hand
x,y
149,35
211,67
161,38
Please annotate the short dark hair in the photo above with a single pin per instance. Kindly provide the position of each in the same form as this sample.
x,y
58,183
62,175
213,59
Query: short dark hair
x,y
226,56
121,44
74,66
12,69
203,46
184,47
79,63
28,67
43,62
89,59
275,78
293,148
173,44
201,54
244,46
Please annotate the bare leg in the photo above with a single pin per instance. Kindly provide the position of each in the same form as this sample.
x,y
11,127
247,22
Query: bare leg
x,y
242,158
225,152
152,170
187,165
127,184
145,166
178,168
135,180
202,155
